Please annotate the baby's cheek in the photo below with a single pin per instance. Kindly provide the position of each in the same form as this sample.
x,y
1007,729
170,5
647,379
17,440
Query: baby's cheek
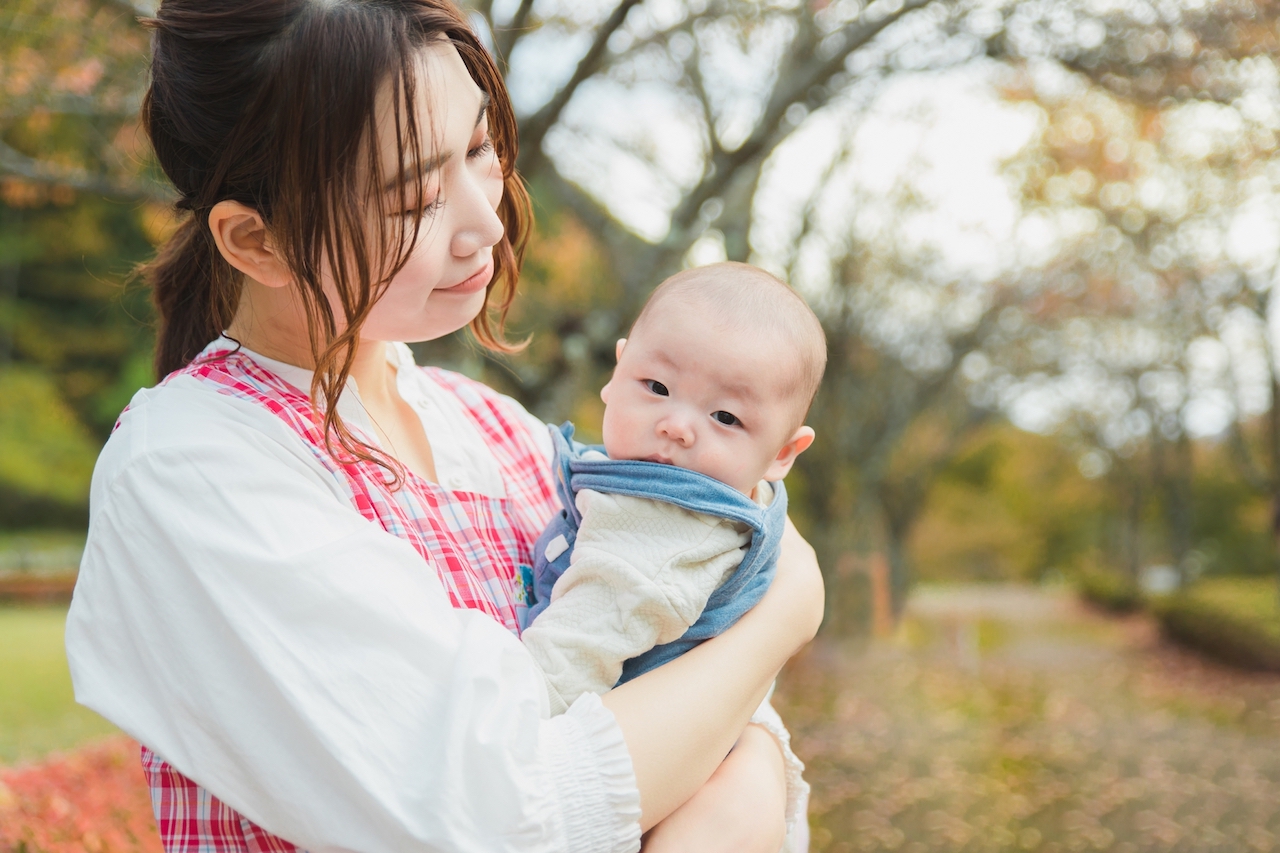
x,y
617,433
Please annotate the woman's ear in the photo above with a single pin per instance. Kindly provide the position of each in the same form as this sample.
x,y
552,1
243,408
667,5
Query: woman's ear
x,y
797,444
243,239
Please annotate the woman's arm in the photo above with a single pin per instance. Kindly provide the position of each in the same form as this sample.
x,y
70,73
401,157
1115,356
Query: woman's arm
x,y
739,810
680,720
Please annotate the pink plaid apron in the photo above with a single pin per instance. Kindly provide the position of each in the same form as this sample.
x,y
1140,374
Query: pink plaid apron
x,y
475,543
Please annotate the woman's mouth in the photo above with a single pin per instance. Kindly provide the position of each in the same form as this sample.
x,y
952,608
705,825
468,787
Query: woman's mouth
x,y
474,283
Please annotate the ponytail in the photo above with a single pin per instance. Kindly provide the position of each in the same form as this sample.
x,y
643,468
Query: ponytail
x,y
195,292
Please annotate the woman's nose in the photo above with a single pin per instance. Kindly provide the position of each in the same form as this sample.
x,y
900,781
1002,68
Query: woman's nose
x,y
479,226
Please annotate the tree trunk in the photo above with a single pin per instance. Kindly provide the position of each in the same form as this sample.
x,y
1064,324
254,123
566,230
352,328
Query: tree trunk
x,y
1273,445
1133,527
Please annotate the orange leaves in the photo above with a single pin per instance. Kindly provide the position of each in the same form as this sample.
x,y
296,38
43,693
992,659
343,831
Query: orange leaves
x,y
92,800
80,78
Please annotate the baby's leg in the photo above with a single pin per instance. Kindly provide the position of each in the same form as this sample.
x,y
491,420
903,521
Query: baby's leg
x,y
741,809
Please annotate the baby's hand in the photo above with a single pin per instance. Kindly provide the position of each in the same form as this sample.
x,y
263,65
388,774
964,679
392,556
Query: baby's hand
x,y
741,809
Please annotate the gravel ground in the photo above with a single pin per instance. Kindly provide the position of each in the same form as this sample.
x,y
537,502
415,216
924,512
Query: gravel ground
x,y
1010,718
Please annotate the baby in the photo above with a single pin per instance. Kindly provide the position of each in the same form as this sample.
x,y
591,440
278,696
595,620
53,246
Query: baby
x,y
672,536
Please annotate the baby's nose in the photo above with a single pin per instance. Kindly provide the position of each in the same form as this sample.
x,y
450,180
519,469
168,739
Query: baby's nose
x,y
677,429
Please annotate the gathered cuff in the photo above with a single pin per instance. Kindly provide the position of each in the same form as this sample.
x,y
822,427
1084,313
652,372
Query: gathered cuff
x,y
596,783
797,789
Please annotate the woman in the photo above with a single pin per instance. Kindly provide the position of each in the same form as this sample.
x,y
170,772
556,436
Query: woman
x,y
293,671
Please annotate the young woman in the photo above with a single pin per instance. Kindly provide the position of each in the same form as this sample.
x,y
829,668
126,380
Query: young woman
x,y
300,590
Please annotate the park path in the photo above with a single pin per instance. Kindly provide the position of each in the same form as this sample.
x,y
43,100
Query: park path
x,y
1014,718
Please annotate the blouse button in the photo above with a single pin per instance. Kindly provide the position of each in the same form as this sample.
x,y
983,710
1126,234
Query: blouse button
x,y
454,480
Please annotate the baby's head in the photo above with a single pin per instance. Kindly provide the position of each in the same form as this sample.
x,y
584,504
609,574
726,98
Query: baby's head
x,y
717,376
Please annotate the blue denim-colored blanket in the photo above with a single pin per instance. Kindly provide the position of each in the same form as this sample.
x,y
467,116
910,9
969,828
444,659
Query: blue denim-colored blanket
x,y
688,489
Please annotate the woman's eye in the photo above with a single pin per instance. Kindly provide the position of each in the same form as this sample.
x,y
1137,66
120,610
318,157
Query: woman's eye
x,y
657,388
726,418
428,209
485,146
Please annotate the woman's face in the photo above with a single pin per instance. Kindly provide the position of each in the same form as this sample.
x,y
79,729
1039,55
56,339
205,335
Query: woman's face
x,y
442,286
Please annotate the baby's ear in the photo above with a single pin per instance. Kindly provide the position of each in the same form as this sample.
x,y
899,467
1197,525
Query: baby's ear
x,y
604,392
797,444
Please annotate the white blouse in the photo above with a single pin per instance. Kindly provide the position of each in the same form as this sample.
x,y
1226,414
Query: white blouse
x,y
239,617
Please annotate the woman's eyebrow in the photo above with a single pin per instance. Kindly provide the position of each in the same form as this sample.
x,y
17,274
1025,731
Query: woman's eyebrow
x,y
407,174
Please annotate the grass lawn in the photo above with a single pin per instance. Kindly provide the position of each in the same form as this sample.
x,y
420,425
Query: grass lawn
x,y
41,540
37,711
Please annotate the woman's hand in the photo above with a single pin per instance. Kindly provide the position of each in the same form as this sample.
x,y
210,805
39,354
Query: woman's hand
x,y
739,810
797,591
679,719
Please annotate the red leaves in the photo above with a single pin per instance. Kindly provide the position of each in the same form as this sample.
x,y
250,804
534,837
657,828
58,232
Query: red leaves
x,y
93,800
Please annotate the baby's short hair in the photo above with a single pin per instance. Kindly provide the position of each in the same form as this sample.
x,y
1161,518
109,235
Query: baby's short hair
x,y
747,297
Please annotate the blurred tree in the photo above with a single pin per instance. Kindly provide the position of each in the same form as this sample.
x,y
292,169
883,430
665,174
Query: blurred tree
x,y
920,353
1152,183
1011,505
73,219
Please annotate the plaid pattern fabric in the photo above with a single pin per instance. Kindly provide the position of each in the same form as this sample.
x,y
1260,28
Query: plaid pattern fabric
x,y
480,547
191,820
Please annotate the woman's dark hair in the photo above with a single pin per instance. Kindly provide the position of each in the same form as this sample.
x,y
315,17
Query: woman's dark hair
x,y
271,103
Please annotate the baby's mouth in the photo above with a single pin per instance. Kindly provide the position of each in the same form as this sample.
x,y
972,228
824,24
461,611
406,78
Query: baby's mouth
x,y
656,458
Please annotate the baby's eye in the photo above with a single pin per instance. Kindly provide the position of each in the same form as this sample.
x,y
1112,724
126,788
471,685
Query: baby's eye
x,y
657,387
726,418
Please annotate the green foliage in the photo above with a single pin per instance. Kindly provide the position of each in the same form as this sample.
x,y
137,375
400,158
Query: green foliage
x,y
45,452
1109,590
1236,620
69,308
38,713
1232,520
1009,505
75,344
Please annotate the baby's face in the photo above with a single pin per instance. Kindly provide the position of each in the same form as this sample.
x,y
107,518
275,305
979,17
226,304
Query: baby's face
x,y
688,393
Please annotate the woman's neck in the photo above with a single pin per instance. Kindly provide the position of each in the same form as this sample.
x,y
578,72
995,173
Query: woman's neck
x,y
271,322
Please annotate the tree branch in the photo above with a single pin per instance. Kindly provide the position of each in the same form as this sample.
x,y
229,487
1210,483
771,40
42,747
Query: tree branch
x,y
505,39
693,68
65,104
14,163
535,128
142,9
790,89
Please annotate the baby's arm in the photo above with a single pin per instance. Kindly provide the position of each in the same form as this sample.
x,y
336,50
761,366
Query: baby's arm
x,y
641,573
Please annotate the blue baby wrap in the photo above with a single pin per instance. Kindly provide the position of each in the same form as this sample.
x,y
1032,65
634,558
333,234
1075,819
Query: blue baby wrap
x,y
687,489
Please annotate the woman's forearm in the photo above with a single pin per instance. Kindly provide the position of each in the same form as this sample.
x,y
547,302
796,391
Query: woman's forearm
x,y
741,809
681,719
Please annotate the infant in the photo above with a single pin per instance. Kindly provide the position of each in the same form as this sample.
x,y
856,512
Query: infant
x,y
672,536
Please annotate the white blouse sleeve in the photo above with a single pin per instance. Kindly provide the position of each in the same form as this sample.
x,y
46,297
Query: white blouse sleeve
x,y
244,622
